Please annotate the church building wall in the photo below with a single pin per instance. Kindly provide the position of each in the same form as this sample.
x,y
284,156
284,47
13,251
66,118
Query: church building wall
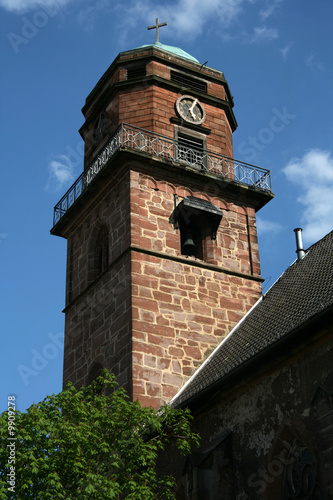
x,y
280,426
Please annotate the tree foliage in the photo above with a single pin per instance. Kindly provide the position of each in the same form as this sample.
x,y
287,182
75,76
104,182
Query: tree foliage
x,y
92,443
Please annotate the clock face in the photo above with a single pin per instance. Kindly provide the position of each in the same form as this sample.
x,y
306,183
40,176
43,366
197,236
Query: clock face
x,y
190,109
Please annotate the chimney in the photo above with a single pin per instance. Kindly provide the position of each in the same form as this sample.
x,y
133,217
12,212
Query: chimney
x,y
299,243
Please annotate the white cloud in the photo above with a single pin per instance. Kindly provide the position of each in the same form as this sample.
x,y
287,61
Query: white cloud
x,y
25,5
264,34
61,172
313,175
187,18
312,62
267,226
285,51
88,16
270,9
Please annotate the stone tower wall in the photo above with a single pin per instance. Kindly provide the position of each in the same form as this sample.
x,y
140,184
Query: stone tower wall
x,y
154,314
182,307
98,310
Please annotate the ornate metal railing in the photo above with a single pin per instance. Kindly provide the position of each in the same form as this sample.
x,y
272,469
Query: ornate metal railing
x,y
130,137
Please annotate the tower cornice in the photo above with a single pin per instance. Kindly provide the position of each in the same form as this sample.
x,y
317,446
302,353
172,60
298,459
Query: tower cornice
x,y
149,53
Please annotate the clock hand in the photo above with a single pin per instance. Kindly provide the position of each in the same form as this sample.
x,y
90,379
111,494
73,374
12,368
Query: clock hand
x,y
192,107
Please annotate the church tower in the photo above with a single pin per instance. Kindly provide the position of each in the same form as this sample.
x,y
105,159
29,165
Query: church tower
x,y
162,254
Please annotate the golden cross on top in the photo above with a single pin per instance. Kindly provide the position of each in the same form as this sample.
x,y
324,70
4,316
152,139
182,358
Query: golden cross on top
x,y
157,26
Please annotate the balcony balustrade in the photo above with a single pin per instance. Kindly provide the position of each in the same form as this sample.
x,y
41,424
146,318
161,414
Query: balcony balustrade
x,y
136,139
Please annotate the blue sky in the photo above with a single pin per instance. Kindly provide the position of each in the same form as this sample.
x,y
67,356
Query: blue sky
x,y
277,58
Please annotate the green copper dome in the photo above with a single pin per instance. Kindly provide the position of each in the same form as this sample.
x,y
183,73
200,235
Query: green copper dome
x,y
173,50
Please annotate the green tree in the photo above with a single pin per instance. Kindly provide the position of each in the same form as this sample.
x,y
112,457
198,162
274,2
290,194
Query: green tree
x,y
92,443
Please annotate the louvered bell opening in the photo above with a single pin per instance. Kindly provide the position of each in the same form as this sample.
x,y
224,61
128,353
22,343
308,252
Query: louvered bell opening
x,y
190,142
188,82
136,72
190,150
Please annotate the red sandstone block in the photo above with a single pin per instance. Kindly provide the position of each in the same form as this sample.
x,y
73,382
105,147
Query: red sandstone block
x,y
148,401
144,292
169,392
138,389
171,284
153,390
187,371
138,358
157,211
186,305
200,308
180,325
173,241
145,304
220,314
162,297
231,264
245,268
155,340
208,329
163,363
157,245
176,352
176,367
148,348
172,379
143,373
136,267
234,316
164,224
148,316
157,271
167,307
149,360
235,280
145,242
190,280
203,320
196,327
135,313
232,304
161,320
161,330
145,281
146,224
143,212
214,296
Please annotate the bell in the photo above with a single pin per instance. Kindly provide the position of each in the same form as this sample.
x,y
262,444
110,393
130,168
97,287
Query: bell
x,y
189,246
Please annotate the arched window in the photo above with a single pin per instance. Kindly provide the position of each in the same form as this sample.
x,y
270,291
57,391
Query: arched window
x,y
102,251
94,372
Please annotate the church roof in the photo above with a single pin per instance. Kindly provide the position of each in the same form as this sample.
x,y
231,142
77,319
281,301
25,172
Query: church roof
x,y
301,293
173,50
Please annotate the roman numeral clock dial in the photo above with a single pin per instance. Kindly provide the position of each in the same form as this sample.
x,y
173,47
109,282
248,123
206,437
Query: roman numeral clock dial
x,y
190,109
